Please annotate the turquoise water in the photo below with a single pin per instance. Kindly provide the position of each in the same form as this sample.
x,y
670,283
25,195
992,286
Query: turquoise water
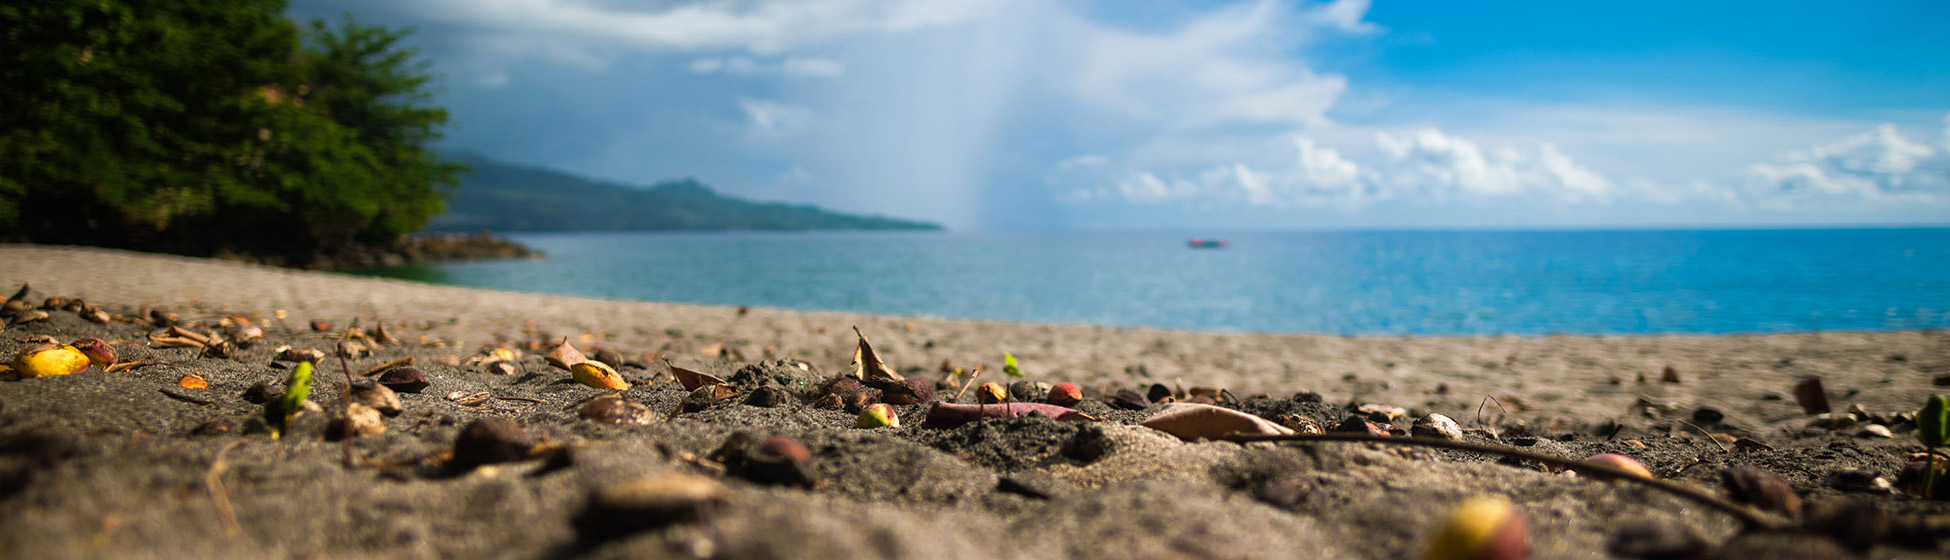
x,y
1420,283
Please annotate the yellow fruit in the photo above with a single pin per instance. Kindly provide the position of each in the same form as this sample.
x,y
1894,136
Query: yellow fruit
x,y
1482,528
599,375
879,415
49,359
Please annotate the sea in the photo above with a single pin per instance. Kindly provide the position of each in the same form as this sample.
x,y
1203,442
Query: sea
x,y
1424,283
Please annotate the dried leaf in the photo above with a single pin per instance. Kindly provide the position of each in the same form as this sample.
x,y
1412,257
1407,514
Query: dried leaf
x,y
565,356
692,379
1191,421
867,365
949,415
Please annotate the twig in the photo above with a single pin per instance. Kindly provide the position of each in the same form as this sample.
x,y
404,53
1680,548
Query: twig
x,y
1709,437
185,398
1486,400
523,399
381,368
200,340
345,399
213,482
964,386
1750,517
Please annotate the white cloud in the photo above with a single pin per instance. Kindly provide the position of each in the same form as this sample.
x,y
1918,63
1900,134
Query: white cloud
x,y
492,80
1425,165
773,117
790,66
1875,164
762,26
1085,160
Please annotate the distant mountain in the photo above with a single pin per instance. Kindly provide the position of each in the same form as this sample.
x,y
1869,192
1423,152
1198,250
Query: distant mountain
x,y
504,197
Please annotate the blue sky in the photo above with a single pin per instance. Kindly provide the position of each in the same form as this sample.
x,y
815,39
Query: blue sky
x,y
1058,114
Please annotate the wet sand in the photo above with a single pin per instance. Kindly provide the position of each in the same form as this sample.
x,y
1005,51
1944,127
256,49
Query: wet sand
x,y
107,465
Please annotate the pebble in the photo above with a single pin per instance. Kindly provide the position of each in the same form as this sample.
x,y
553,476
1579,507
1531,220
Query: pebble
x,y
767,397
1360,425
1706,415
1437,426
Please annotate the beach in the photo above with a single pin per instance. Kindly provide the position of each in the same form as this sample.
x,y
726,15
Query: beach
x,y
110,465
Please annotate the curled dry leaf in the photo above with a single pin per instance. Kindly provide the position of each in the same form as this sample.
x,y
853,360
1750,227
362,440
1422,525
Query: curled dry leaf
x,y
599,375
692,379
949,415
1191,421
867,365
565,356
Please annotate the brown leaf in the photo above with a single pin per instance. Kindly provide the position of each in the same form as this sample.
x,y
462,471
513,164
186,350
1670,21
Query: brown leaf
x,y
1191,421
692,379
565,356
867,365
1812,398
949,415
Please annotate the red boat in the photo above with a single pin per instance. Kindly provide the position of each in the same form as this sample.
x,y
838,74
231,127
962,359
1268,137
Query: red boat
x,y
1198,243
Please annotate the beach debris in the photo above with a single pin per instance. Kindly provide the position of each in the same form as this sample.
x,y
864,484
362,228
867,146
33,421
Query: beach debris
x,y
1812,398
1482,528
321,325
610,356
179,337
949,415
464,398
1656,538
1009,366
1029,391
359,421
381,336
500,367
49,359
1707,416
297,388
1436,426
878,415
1064,394
383,368
239,329
28,316
651,502
615,410
378,397
163,318
706,396
1193,421
1933,431
403,379
867,365
565,356
353,349
768,396
1669,375
1302,425
860,399
991,393
777,459
1875,431
1158,393
96,316
693,379
1860,480
1852,522
599,375
289,354
13,307
1762,488
488,440
913,391
1128,399
193,380
1620,462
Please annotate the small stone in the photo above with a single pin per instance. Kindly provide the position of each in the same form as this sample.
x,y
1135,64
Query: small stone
x,y
1811,396
379,397
1941,380
767,397
403,379
1875,431
261,392
1669,375
361,421
1129,400
1360,425
290,354
490,440
1028,391
1859,480
1437,426
777,460
1762,488
1707,416
613,409
650,502
611,357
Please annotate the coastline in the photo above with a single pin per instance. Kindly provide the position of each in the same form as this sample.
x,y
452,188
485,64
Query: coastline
x,y
118,465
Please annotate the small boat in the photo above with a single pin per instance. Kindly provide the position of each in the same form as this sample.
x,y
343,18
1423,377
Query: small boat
x,y
1198,243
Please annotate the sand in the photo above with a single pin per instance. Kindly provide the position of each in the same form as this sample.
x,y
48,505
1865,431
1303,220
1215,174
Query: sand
x,y
107,465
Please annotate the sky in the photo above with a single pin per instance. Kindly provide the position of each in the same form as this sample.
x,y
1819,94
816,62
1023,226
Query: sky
x,y
1005,115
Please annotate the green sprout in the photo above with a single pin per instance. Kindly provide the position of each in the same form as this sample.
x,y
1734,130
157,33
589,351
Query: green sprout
x,y
1009,365
1933,428
296,389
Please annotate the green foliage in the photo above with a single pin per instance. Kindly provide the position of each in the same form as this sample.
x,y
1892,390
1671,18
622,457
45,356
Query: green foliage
x,y
1933,422
1009,365
211,127
297,388
505,197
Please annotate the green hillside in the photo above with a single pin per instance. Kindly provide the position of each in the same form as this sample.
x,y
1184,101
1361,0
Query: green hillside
x,y
503,197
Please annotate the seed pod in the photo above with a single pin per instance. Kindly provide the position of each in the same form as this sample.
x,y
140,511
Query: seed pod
x,y
599,375
880,415
404,379
98,352
1129,400
1762,488
49,359
361,422
912,391
859,400
14,307
767,396
1619,462
290,354
1065,394
96,316
379,397
1482,528
991,393
28,316
616,410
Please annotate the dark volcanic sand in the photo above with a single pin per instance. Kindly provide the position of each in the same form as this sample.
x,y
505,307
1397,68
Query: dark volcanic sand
x,y
106,465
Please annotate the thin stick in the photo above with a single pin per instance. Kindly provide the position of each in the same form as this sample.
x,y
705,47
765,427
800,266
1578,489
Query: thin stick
x,y
1750,517
185,398
213,482
1486,400
524,399
345,397
1709,437
964,386
381,368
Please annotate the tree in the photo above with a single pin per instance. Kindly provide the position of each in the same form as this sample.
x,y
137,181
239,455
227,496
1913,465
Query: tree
x,y
212,128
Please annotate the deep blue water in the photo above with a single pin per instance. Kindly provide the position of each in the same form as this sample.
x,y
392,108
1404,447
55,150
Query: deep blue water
x,y
1423,283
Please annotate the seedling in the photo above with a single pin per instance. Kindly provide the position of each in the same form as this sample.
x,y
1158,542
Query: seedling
x,y
1932,428
296,389
1009,365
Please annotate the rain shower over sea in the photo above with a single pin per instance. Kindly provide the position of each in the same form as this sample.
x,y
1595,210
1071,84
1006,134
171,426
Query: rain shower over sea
x,y
1355,283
